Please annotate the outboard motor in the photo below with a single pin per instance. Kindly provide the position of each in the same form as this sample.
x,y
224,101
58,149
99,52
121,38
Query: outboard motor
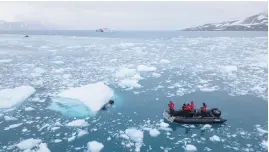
x,y
216,112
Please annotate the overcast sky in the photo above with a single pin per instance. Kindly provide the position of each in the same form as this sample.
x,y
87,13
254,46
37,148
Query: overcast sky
x,y
128,15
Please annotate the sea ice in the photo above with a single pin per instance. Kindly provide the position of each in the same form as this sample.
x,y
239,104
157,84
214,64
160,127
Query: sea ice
x,y
154,132
43,147
82,133
94,146
264,144
215,138
190,148
82,100
12,97
206,126
143,68
28,143
129,83
8,118
29,109
164,61
13,126
78,123
134,135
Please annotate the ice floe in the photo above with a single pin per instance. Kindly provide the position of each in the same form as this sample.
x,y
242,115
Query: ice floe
x,y
154,132
28,143
5,60
143,68
8,118
264,144
82,133
13,126
190,148
43,147
94,146
77,123
133,135
12,97
29,109
82,100
165,61
215,138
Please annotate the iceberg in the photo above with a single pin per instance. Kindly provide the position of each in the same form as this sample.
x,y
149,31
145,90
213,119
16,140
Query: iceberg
x,y
82,101
12,97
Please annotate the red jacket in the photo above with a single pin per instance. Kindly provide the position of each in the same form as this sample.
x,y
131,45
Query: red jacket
x,y
187,108
171,105
203,108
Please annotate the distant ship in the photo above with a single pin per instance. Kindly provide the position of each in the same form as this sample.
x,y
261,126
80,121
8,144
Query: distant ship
x,y
103,30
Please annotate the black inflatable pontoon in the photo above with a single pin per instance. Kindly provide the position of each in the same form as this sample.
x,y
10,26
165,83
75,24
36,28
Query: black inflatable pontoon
x,y
194,117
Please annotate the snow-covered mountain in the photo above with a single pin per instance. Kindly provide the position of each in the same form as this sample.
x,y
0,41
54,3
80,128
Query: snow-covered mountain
x,y
20,25
258,22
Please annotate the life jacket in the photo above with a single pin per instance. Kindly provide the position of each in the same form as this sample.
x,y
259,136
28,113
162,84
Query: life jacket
x,y
192,105
187,108
203,108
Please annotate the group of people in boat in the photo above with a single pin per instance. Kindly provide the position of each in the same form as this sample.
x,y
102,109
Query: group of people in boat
x,y
185,107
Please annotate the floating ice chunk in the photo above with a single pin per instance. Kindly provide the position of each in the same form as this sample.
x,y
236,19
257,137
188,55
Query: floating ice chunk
x,y
8,118
57,140
58,62
28,143
206,126
5,60
208,89
78,123
109,138
143,68
58,70
94,146
12,97
215,138
54,128
156,75
71,138
29,109
264,144
190,148
229,69
124,72
154,132
165,61
24,129
13,126
43,147
163,124
38,72
82,133
136,136
129,83
261,131
94,96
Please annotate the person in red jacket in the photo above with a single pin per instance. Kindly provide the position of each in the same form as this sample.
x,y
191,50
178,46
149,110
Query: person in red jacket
x,y
192,105
187,107
171,106
203,108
